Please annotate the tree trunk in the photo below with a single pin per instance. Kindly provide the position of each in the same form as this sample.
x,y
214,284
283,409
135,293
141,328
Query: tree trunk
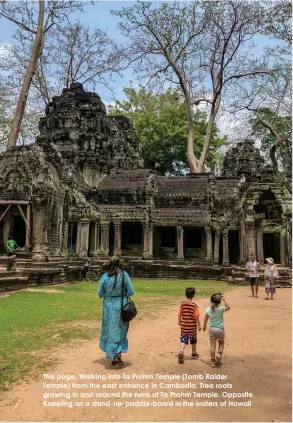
x,y
209,132
36,52
192,160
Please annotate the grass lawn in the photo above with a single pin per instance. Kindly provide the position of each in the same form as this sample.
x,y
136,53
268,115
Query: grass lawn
x,y
34,323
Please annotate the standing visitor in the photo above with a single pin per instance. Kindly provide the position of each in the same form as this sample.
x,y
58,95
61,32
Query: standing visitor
x,y
271,275
11,246
253,273
113,339
188,320
216,331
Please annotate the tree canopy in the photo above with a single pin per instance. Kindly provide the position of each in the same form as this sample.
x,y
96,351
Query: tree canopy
x,y
161,125
267,125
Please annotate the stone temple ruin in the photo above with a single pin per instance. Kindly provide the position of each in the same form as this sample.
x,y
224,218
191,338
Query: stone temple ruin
x,y
79,194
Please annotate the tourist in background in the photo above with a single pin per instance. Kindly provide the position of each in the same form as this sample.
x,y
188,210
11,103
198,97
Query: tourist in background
x,y
11,246
113,339
271,276
253,273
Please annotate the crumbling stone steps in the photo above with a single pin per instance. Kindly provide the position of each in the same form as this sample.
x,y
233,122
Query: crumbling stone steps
x,y
13,283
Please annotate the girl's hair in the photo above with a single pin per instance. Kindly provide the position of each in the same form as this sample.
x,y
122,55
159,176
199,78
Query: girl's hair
x,y
114,266
216,300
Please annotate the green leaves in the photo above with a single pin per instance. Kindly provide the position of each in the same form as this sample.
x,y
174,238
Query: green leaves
x,y
283,127
161,125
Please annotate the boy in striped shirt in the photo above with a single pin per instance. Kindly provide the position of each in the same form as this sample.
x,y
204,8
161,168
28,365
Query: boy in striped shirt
x,y
188,320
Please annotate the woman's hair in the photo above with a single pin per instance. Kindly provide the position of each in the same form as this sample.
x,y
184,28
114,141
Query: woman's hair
x,y
114,266
216,300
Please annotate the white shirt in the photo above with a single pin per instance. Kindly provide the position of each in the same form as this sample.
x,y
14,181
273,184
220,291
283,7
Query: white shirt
x,y
253,266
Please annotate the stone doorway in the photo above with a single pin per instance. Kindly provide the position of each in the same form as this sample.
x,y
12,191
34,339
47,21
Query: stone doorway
x,y
132,238
194,243
15,221
72,237
165,242
18,230
234,246
271,246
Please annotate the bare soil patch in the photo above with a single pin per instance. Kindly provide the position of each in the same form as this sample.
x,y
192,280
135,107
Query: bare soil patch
x,y
257,359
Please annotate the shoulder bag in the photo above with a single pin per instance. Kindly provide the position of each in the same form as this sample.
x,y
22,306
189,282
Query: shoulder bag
x,y
128,311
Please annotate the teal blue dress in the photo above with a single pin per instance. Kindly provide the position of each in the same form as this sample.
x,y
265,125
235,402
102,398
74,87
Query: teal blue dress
x,y
113,339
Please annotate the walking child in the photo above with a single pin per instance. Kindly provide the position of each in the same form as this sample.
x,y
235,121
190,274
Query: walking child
x,y
253,268
216,330
188,320
271,275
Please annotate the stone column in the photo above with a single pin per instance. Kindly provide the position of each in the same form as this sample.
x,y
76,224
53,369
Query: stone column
x,y
250,237
93,238
145,254
259,246
243,255
83,238
209,244
98,243
282,248
226,259
28,228
40,235
217,247
104,247
6,229
288,242
151,240
65,238
180,245
117,238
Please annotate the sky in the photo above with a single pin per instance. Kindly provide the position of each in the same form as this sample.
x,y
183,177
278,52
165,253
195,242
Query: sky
x,y
98,15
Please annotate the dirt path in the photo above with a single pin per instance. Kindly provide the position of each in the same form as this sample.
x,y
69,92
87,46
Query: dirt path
x,y
257,359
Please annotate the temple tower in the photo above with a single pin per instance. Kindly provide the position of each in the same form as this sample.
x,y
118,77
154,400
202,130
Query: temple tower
x,y
90,142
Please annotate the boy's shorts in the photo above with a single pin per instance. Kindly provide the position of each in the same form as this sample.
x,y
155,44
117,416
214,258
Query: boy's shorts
x,y
192,339
253,281
216,333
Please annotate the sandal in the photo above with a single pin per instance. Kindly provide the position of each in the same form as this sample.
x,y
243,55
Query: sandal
x,y
181,357
119,360
194,356
213,363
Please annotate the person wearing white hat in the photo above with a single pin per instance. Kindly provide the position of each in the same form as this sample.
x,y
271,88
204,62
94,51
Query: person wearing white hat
x,y
271,275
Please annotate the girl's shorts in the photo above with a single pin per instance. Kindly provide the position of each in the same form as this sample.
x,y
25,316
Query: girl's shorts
x,y
192,339
216,333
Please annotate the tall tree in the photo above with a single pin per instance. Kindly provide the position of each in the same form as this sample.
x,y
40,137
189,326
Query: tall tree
x,y
267,102
163,40
200,47
275,134
36,22
226,56
161,125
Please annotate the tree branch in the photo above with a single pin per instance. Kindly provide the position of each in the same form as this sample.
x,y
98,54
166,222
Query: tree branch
x,y
242,75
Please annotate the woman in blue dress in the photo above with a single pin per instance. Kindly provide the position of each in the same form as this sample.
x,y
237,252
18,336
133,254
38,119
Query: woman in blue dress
x,y
113,339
